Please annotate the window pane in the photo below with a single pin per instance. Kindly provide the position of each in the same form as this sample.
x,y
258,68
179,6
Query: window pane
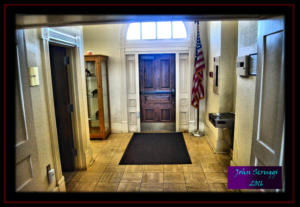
x,y
148,30
163,30
133,32
179,30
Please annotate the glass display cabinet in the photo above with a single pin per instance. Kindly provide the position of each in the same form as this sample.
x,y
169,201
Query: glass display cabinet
x,y
96,72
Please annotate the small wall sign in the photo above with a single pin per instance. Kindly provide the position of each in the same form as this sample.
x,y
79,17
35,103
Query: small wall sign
x,y
255,177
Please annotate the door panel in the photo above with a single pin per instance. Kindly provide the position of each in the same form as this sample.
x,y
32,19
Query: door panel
x,y
149,74
27,164
149,115
165,74
271,87
165,114
61,95
157,87
269,126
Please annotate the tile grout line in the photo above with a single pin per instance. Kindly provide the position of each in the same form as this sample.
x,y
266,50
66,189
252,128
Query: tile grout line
x,y
141,180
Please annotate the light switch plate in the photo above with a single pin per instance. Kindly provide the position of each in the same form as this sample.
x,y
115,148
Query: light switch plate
x,y
34,76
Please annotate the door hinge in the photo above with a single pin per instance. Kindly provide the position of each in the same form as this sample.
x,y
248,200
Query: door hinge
x,y
70,108
75,152
66,60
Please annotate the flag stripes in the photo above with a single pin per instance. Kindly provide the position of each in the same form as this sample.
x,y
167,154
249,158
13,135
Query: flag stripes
x,y
198,89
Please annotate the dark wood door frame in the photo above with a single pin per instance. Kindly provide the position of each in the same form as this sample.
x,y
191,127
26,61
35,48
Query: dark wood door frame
x,y
157,88
63,106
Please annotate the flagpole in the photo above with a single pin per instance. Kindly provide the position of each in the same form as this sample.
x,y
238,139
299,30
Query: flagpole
x,y
197,133
198,118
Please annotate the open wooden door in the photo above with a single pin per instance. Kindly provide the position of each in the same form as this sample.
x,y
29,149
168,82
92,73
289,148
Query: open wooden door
x,y
63,107
27,164
269,120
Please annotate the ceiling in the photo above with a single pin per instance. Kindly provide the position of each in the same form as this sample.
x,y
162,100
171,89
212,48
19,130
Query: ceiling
x,y
27,21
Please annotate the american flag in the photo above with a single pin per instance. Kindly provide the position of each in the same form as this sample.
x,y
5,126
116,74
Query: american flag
x,y
198,90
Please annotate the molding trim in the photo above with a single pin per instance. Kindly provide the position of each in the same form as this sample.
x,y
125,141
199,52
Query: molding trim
x,y
61,185
232,163
57,37
116,127
47,79
150,49
125,126
177,91
136,94
75,47
209,133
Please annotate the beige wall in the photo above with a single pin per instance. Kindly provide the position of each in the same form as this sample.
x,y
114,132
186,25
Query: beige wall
x,y
227,65
222,41
245,96
236,94
212,99
106,40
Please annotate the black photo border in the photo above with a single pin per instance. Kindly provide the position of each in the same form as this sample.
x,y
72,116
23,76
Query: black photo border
x,y
11,197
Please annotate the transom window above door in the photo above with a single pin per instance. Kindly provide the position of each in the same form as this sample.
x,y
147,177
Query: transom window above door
x,y
156,30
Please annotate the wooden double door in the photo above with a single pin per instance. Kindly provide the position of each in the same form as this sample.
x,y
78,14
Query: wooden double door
x,y
157,87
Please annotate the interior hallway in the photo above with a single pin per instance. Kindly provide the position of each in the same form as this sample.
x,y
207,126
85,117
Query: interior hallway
x,y
208,171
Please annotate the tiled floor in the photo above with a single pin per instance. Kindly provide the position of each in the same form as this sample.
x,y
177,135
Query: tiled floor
x,y
208,171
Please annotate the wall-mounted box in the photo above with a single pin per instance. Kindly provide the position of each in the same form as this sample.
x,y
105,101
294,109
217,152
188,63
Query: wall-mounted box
x,y
50,174
216,76
252,64
242,66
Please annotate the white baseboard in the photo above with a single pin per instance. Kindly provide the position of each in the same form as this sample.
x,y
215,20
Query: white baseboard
x,y
212,143
61,186
232,163
124,127
89,154
116,127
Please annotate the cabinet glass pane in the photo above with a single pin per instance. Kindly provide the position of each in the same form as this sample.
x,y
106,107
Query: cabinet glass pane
x,y
92,97
104,94
90,68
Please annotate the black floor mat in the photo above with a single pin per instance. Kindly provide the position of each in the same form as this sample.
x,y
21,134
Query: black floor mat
x,y
156,148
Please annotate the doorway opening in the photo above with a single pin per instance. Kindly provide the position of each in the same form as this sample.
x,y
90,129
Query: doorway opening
x,y
157,92
63,106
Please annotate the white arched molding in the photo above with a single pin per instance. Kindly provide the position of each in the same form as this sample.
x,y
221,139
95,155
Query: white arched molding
x,y
74,46
184,51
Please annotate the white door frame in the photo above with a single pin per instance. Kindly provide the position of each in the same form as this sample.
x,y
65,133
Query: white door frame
x,y
138,105
136,52
79,121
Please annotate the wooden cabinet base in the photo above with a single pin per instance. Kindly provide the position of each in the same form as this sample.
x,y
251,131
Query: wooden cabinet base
x,y
97,136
